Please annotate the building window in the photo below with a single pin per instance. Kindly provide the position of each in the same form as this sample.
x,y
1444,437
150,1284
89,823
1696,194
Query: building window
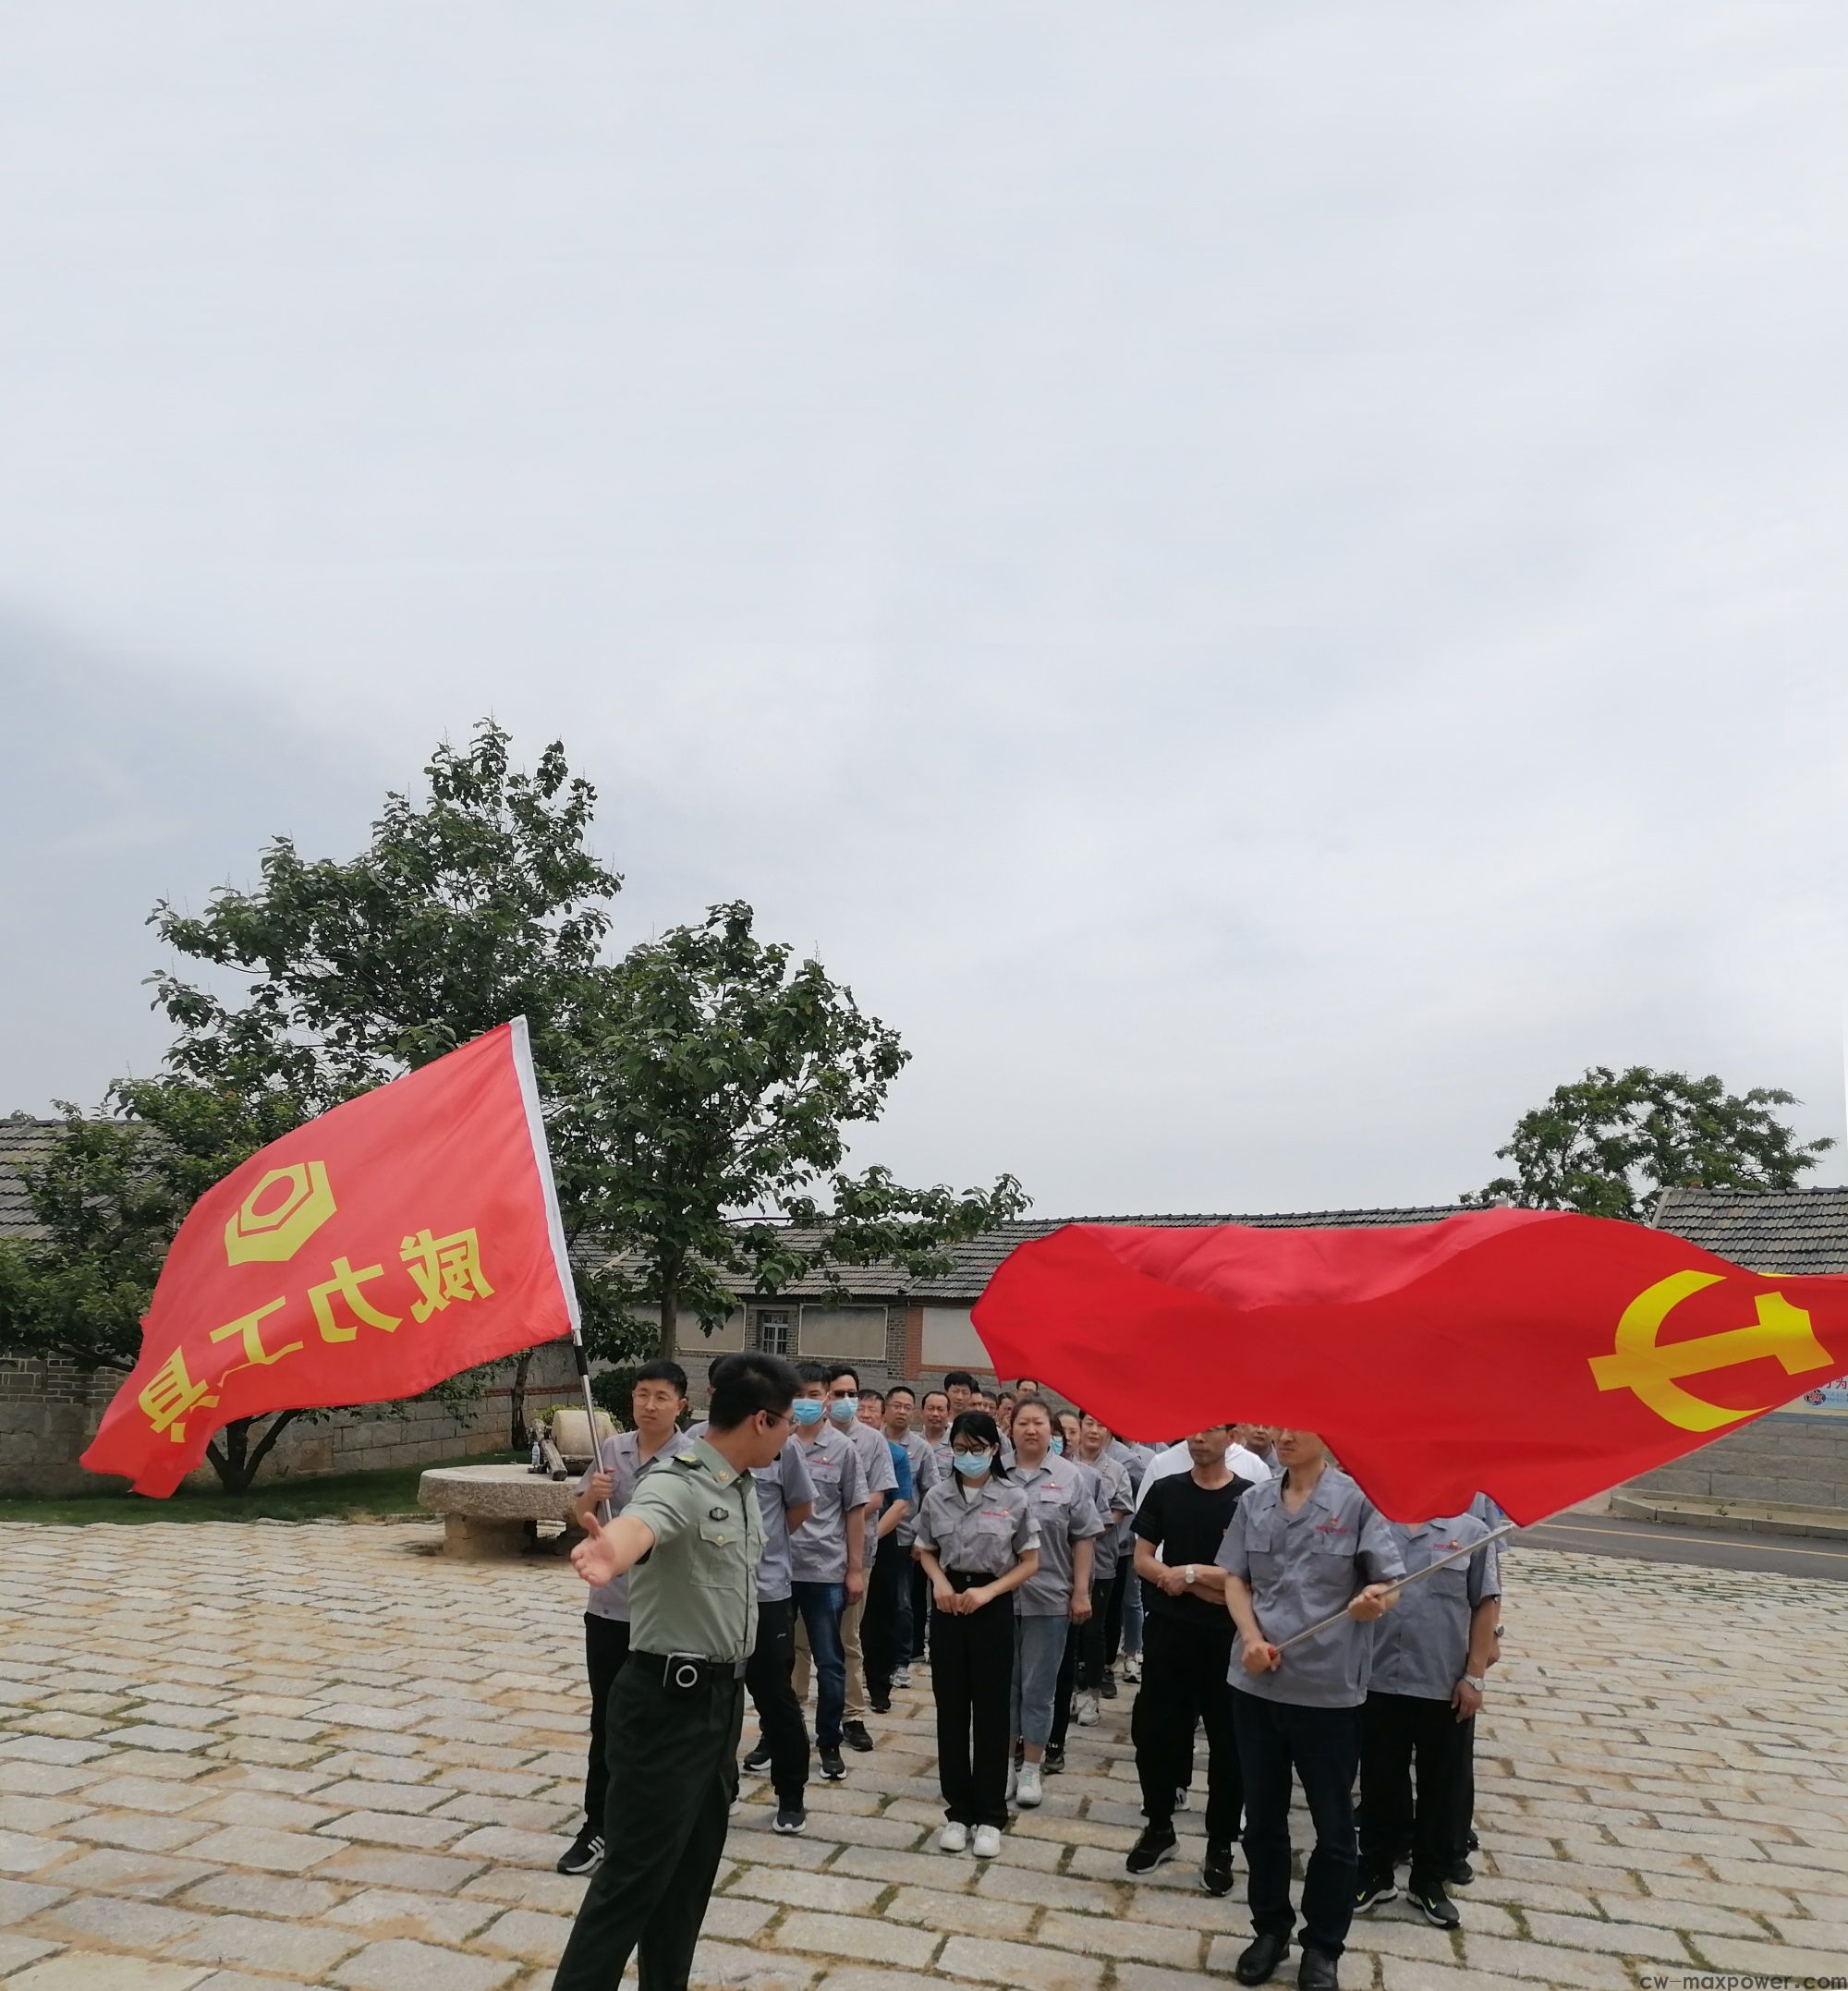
x,y
772,1328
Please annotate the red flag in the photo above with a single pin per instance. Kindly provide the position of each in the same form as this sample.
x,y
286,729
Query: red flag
x,y
405,1236
1536,1355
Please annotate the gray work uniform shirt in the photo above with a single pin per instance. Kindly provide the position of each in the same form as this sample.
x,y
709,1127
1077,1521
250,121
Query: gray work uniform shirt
x,y
696,1591
1115,1503
784,1484
1302,1567
1065,1514
818,1549
619,1455
1420,1646
923,1478
876,1468
980,1531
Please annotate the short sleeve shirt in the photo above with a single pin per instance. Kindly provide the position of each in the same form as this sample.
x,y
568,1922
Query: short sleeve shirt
x,y
1184,1522
1115,1503
1302,1567
696,1591
983,1532
818,1549
1421,1645
1065,1514
620,1456
923,1478
784,1484
877,1470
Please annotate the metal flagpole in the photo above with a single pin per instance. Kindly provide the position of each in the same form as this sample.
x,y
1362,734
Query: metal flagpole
x,y
582,1359
1456,1555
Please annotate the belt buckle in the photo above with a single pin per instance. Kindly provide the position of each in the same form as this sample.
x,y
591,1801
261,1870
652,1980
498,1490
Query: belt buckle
x,y
683,1670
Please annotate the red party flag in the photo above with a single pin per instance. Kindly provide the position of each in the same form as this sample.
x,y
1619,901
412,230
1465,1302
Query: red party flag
x,y
1536,1355
410,1233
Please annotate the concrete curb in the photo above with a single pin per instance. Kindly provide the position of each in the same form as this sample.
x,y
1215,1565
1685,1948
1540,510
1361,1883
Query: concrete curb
x,y
1741,1517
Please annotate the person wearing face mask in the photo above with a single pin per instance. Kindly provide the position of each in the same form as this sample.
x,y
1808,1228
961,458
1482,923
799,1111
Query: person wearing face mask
x,y
882,1486
1057,1595
935,1409
826,1563
978,1543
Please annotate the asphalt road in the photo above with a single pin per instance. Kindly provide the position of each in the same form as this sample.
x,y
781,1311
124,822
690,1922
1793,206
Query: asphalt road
x,y
1654,1541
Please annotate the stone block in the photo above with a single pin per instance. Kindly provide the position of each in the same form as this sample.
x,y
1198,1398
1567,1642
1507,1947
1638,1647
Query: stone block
x,y
396,1965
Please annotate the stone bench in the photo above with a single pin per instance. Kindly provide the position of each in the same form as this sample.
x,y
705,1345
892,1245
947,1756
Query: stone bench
x,y
492,1511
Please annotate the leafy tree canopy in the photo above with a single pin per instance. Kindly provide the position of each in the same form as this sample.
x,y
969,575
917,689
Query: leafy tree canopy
x,y
1612,1142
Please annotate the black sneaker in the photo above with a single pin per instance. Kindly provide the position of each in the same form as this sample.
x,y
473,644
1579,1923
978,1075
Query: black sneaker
x,y
854,1733
1435,1906
1107,1685
1216,1871
1055,1758
881,1703
1471,1843
758,1763
789,1818
1459,1876
584,1854
1156,1844
1373,1889
832,1768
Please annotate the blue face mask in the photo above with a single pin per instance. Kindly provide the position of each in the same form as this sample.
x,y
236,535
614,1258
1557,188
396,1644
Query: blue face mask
x,y
1058,1445
807,1410
844,1409
971,1464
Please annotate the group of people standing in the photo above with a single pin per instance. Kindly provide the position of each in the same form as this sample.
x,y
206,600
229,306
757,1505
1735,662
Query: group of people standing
x,y
1027,1552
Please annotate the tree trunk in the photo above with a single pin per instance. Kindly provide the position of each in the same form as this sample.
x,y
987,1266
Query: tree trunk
x,y
519,1438
238,1463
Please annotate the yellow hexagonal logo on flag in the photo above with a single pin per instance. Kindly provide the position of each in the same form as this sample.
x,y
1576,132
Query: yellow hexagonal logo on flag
x,y
279,1216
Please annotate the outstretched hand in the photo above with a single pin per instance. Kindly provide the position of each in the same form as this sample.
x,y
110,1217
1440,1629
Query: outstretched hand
x,y
594,1558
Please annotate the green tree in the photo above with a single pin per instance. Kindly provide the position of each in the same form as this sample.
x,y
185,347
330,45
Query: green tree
x,y
1609,1143
706,1130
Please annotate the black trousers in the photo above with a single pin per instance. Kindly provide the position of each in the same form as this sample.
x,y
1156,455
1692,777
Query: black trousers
x,y
1093,1638
972,1678
1112,1630
1398,1731
606,1646
672,1771
779,1714
920,1610
1322,1745
885,1630
1463,1823
1184,1683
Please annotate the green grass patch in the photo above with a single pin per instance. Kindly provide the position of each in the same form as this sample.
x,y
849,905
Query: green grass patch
x,y
389,1494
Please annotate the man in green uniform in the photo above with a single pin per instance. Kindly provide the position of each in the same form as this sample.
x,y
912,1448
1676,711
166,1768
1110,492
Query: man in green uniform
x,y
676,1707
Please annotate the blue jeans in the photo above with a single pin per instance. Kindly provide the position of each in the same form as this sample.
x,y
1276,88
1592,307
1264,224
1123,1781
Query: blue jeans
x,y
819,1605
1038,1650
1131,1616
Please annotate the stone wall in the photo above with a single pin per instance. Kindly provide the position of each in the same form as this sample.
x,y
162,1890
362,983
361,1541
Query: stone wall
x,y
1788,1459
49,1412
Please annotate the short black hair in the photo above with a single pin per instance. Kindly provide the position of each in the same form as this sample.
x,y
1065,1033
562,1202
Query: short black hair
x,y
956,1377
843,1368
661,1371
901,1390
1020,1382
979,1423
747,1383
871,1396
944,1393
812,1372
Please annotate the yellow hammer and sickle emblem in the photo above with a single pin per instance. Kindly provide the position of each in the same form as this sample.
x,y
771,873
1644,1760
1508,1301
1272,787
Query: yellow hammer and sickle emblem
x,y
1781,1332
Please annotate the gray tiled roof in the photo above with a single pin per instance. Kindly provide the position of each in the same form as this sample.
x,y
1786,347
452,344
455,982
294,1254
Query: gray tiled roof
x,y
21,1139
1766,1229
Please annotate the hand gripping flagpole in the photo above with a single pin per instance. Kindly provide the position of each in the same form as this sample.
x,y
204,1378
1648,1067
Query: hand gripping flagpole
x,y
1392,1589
541,1155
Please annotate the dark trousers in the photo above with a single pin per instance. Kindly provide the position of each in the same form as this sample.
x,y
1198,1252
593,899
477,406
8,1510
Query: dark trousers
x,y
819,1608
779,1717
1463,1829
920,1611
972,1678
1062,1694
672,1771
1093,1637
1322,1745
606,1646
1119,1593
1398,1731
1184,1683
886,1631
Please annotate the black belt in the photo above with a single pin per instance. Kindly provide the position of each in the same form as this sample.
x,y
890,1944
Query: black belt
x,y
960,1580
685,1671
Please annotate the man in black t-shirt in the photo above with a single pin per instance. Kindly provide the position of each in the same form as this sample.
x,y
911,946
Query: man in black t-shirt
x,y
1186,1658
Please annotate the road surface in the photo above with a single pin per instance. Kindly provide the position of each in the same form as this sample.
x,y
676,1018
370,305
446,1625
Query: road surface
x,y
1717,1548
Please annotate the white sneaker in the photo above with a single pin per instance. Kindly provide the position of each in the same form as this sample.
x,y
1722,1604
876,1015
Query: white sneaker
x,y
1013,1781
987,1842
1028,1792
1181,1798
1132,1667
1085,1710
902,1677
955,1838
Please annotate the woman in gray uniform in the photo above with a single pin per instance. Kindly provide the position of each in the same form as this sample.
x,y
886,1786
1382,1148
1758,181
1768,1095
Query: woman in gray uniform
x,y
978,1542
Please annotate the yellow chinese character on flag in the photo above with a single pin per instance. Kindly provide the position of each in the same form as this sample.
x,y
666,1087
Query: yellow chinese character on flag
x,y
345,1284
251,1328
171,1396
445,1268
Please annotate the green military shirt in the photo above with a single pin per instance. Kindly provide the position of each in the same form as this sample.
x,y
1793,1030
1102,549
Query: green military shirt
x,y
697,1590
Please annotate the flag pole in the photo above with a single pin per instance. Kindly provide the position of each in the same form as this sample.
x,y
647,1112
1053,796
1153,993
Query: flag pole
x,y
1392,1589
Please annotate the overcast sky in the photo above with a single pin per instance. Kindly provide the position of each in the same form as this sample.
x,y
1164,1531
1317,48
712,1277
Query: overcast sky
x,y
1267,583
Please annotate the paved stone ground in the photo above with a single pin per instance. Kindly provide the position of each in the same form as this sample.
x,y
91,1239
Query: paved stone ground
x,y
246,1758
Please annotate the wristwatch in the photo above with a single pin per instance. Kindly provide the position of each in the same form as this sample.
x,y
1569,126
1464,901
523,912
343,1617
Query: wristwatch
x,y
1189,1571
1475,1680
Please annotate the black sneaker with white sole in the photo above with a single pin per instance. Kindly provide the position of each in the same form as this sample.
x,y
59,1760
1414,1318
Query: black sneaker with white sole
x,y
1375,1888
789,1818
832,1768
584,1854
1216,1871
1156,1844
1435,1906
758,1763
